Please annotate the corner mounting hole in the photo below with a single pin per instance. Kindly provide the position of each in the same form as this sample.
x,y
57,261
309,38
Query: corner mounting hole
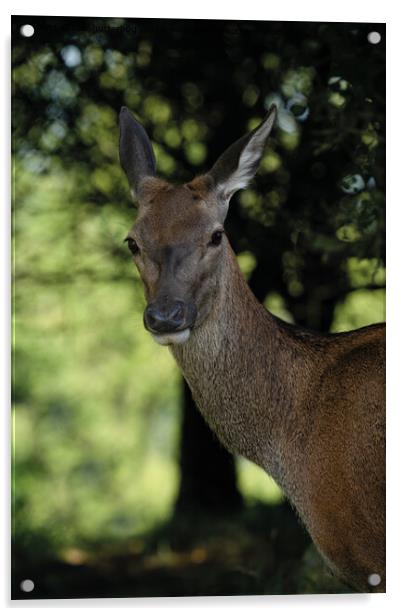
x,y
27,30
374,38
27,585
374,579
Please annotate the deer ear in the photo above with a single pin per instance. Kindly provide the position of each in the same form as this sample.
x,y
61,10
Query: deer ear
x,y
238,164
136,154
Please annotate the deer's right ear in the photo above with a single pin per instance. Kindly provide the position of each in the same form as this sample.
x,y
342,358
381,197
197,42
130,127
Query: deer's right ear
x,y
136,154
238,164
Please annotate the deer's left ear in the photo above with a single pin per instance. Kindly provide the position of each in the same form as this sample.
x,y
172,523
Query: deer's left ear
x,y
136,154
238,164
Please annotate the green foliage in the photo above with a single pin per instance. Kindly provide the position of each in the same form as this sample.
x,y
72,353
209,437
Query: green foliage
x,y
95,429
359,308
96,403
255,485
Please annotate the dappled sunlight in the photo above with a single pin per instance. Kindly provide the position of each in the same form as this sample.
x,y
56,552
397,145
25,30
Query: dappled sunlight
x,y
255,485
359,308
98,427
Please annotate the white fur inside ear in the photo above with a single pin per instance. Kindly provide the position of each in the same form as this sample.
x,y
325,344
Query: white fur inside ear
x,y
248,161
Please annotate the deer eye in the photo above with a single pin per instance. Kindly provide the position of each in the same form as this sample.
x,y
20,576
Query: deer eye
x,y
216,238
132,245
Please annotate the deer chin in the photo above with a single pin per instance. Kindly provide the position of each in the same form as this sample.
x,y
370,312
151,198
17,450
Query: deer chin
x,y
173,338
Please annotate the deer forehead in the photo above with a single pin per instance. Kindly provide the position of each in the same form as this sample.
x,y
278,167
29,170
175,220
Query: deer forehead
x,y
169,215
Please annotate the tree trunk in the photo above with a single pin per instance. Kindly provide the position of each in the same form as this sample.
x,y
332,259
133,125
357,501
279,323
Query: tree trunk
x,y
208,473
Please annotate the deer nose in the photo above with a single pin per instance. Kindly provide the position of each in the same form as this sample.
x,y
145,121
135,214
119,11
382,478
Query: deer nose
x,y
168,318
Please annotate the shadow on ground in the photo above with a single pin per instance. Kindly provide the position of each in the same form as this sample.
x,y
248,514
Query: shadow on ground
x,y
261,550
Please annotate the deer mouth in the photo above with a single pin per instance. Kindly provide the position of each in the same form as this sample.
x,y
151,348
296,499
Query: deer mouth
x,y
170,322
166,339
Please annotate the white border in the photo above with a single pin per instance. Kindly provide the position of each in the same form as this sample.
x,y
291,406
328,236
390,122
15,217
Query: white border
x,y
308,10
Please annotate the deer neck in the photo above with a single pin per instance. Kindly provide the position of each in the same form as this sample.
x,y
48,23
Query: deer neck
x,y
247,374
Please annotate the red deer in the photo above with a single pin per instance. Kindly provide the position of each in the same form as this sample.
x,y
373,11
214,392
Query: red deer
x,y
307,407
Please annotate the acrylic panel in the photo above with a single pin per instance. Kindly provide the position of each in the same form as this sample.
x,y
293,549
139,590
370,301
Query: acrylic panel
x,y
217,187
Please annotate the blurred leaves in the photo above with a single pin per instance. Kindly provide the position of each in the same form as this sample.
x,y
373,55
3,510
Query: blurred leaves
x,y
96,403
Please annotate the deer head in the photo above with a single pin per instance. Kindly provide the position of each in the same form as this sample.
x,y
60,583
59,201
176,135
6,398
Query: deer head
x,y
178,241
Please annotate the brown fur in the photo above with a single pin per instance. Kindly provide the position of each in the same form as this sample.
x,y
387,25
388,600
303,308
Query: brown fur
x,y
308,408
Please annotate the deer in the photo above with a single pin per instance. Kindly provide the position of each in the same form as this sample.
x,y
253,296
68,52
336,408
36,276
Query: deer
x,y
307,407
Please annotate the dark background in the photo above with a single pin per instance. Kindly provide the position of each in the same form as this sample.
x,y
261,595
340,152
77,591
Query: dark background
x,y
309,233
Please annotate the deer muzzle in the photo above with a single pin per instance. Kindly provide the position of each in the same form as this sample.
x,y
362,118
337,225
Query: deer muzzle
x,y
170,322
